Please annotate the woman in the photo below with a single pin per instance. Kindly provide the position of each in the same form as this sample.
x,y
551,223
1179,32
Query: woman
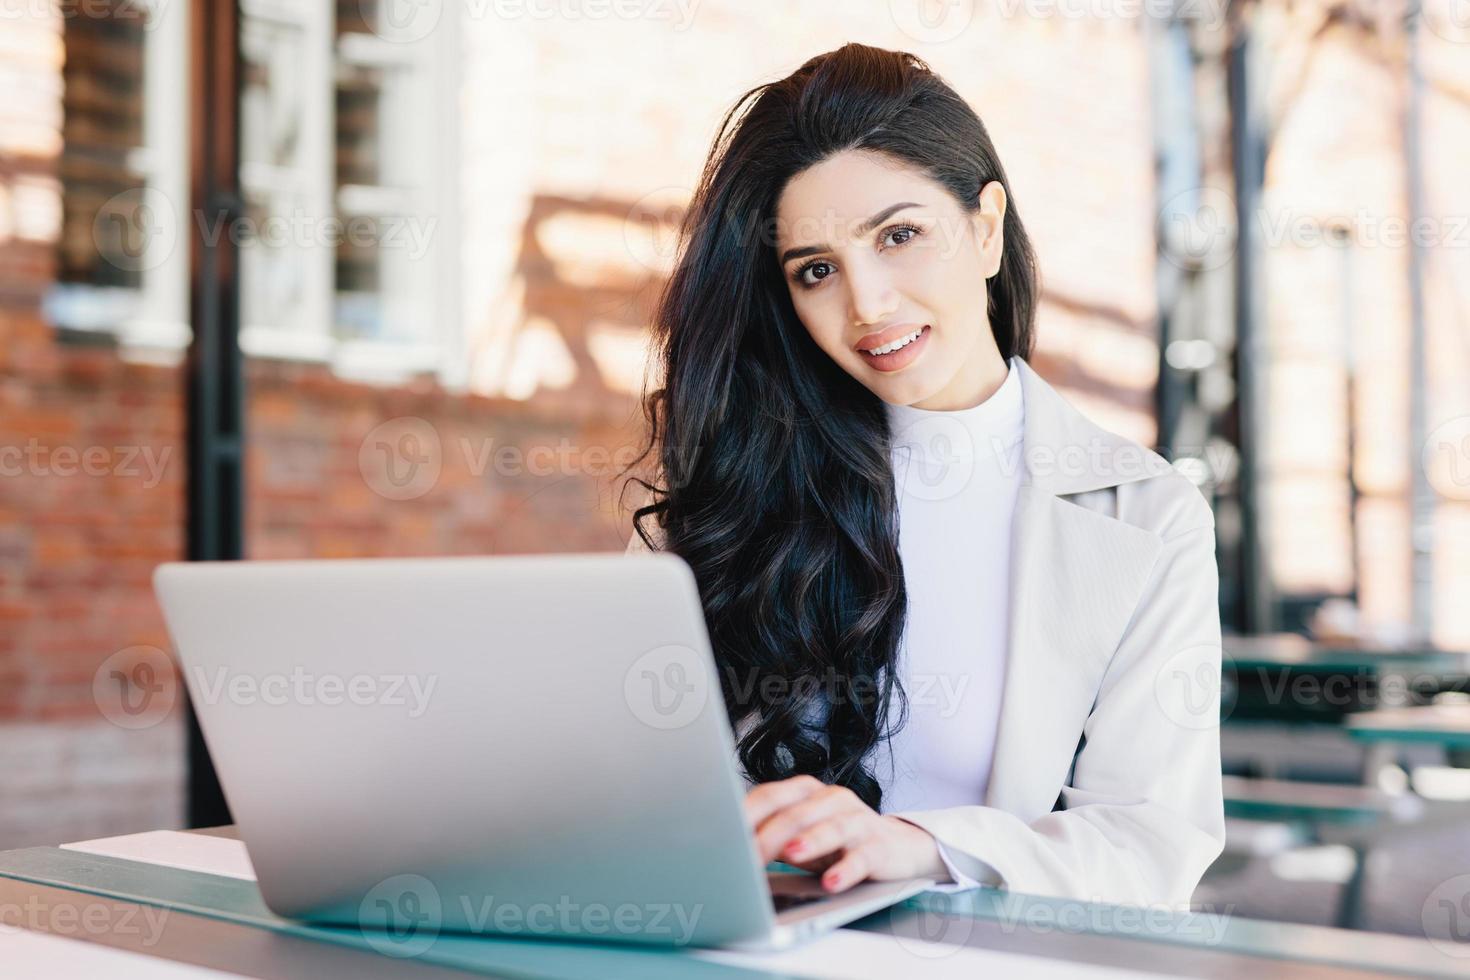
x,y
962,632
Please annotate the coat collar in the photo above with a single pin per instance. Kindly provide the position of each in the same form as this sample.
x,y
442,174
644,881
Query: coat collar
x,y
1067,453
1077,574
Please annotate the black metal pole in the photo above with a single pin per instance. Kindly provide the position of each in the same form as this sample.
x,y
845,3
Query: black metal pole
x,y
1248,150
213,373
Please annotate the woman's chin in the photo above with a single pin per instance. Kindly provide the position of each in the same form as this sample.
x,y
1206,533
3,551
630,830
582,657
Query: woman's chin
x,y
899,392
903,387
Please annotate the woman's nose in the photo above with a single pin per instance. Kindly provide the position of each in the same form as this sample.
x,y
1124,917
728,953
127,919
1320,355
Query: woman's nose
x,y
871,298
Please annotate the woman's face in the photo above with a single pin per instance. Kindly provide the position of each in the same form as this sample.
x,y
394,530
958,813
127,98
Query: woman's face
x,y
872,250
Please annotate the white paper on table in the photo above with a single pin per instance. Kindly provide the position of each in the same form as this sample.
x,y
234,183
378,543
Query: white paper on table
x,y
175,849
850,954
43,954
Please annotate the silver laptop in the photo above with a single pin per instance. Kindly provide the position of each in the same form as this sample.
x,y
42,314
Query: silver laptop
x,y
532,745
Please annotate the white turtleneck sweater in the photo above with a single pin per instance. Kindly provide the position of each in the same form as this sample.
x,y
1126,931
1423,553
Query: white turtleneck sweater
x,y
957,474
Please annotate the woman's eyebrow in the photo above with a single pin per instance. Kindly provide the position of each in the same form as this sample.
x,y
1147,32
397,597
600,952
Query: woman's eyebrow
x,y
862,229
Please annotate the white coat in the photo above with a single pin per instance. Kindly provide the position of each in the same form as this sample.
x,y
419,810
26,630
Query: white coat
x,y
1105,784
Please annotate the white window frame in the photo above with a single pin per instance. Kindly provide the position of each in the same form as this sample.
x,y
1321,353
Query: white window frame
x,y
309,184
421,296
152,322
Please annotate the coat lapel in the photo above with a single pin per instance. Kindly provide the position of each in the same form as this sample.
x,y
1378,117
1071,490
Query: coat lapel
x,y
1076,576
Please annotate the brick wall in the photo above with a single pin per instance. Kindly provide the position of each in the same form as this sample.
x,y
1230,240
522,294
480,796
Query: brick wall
x,y
100,502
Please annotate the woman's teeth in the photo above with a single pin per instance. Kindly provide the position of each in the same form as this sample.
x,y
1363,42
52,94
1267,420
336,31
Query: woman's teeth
x,y
896,345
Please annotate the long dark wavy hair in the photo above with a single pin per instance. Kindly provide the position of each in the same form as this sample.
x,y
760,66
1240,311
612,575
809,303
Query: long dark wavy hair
x,y
774,480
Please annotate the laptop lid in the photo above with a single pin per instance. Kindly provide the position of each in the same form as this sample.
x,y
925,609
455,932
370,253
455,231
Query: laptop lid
x,y
536,737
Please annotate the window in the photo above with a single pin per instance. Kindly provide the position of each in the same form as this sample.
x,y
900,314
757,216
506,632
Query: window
x,y
121,264
285,178
348,170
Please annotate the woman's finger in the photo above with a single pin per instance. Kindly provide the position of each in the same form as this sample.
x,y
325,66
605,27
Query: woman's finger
x,y
773,835
768,798
826,837
854,866
817,865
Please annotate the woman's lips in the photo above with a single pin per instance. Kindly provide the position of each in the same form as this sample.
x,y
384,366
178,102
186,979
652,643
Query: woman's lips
x,y
901,358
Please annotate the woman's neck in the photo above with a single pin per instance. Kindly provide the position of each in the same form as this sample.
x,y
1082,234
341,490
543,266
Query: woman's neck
x,y
976,381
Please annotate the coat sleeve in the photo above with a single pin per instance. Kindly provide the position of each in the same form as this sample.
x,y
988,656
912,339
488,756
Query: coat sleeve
x,y
1141,817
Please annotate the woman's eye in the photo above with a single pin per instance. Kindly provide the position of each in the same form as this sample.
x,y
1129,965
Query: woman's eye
x,y
907,231
895,236
801,276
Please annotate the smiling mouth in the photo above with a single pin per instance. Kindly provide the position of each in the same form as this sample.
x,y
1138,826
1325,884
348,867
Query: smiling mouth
x,y
895,345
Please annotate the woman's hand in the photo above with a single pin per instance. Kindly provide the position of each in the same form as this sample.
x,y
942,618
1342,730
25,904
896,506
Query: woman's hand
x,y
810,825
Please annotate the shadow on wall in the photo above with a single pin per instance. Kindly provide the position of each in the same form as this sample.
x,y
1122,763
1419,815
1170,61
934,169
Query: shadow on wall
x,y
570,329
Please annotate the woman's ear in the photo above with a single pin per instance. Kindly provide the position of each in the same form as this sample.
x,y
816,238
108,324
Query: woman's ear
x,y
989,223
